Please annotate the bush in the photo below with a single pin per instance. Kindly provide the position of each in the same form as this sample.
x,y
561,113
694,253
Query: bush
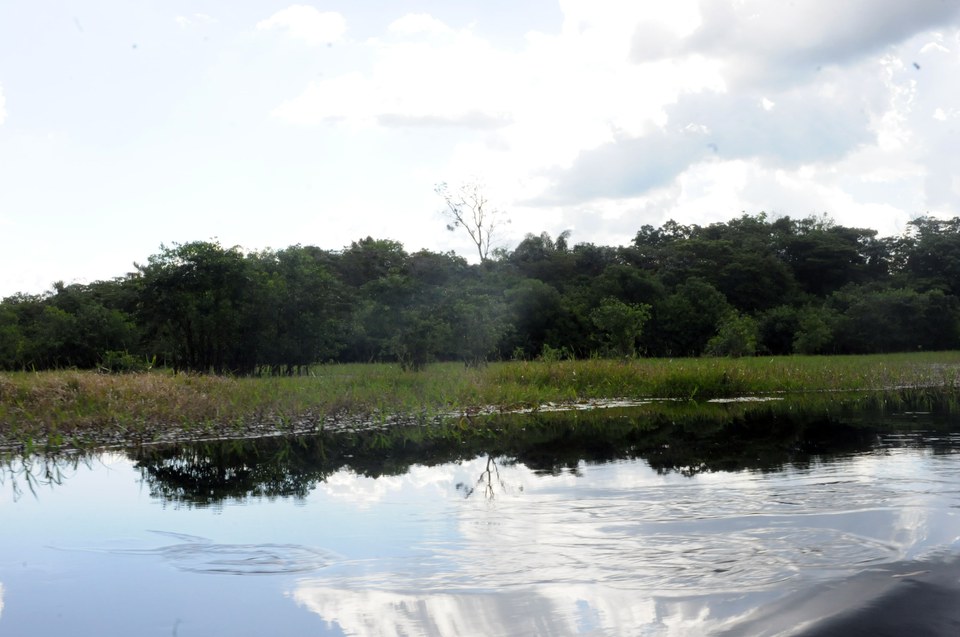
x,y
736,337
114,362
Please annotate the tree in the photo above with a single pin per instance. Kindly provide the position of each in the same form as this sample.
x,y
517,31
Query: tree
x,y
620,324
302,316
776,329
895,320
198,306
824,257
687,319
480,323
815,331
533,307
736,336
469,208
932,254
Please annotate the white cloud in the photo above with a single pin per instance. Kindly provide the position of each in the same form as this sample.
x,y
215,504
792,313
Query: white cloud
x,y
520,112
614,564
768,43
418,23
187,22
3,106
605,123
417,79
307,24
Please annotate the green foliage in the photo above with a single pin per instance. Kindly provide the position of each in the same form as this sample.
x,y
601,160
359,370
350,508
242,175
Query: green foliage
x,y
550,354
815,331
477,325
891,320
534,307
736,337
620,325
776,330
100,408
751,284
198,307
11,340
689,318
299,319
417,336
116,362
930,255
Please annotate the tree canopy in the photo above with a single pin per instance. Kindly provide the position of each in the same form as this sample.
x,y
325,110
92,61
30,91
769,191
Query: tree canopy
x,y
751,285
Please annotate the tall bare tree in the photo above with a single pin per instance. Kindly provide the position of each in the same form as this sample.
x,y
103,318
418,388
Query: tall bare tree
x,y
469,208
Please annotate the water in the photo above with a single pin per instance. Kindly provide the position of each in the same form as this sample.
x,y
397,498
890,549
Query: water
x,y
175,543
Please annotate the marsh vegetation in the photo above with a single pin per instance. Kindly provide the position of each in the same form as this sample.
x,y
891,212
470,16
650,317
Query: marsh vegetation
x,y
79,409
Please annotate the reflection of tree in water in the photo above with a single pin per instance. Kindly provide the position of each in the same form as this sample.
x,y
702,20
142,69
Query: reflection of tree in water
x,y
209,473
33,472
686,438
689,442
486,480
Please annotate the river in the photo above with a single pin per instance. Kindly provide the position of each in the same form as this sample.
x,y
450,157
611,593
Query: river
x,y
243,539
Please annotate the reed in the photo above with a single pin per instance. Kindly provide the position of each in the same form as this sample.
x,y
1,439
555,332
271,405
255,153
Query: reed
x,y
65,408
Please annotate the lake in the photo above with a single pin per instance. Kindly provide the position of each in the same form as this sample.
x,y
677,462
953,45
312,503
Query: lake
x,y
567,525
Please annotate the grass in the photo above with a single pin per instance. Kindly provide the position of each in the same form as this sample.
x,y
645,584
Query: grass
x,y
66,408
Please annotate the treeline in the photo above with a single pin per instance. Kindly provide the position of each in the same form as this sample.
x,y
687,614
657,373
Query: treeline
x,y
752,285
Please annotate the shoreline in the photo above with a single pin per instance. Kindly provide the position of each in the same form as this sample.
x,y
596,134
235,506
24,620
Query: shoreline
x,y
47,411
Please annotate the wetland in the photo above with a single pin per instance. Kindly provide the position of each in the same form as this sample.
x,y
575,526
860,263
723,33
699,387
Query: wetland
x,y
791,515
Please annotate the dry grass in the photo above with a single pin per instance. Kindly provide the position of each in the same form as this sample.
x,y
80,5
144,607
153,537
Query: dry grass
x,y
55,409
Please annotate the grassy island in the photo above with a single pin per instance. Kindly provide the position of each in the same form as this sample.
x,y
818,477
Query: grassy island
x,y
54,409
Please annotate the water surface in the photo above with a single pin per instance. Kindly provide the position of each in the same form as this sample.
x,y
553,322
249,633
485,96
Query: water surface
x,y
212,541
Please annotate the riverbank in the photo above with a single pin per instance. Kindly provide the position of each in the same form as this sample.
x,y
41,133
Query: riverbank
x,y
68,408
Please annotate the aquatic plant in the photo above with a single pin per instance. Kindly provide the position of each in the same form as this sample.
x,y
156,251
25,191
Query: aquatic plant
x,y
77,409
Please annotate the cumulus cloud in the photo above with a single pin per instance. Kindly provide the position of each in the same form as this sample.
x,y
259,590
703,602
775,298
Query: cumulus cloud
x,y
764,42
521,111
417,24
866,137
629,113
424,73
189,22
307,24
628,167
803,125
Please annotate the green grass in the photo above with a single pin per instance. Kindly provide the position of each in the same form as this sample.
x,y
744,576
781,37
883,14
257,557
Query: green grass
x,y
64,408
705,378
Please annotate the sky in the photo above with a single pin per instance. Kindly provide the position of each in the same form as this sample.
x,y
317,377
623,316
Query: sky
x,y
127,124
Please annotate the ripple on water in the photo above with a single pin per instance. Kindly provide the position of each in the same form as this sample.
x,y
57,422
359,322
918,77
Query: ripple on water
x,y
246,559
200,555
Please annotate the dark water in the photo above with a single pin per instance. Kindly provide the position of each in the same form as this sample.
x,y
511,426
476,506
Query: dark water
x,y
828,530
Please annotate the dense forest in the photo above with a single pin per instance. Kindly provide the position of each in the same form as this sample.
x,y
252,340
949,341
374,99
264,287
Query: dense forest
x,y
752,285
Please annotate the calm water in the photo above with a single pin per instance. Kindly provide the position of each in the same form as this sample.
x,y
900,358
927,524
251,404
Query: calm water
x,y
110,545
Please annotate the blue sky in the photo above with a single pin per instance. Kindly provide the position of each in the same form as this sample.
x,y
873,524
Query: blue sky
x,y
127,124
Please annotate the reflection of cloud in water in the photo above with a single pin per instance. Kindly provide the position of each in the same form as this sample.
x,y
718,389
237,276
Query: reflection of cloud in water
x,y
545,610
420,480
554,611
1,599
907,473
624,550
361,490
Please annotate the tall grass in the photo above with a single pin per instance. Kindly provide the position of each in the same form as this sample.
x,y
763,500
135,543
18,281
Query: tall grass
x,y
60,408
705,378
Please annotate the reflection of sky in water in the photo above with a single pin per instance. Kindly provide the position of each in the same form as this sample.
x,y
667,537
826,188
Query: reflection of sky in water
x,y
615,549
621,549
